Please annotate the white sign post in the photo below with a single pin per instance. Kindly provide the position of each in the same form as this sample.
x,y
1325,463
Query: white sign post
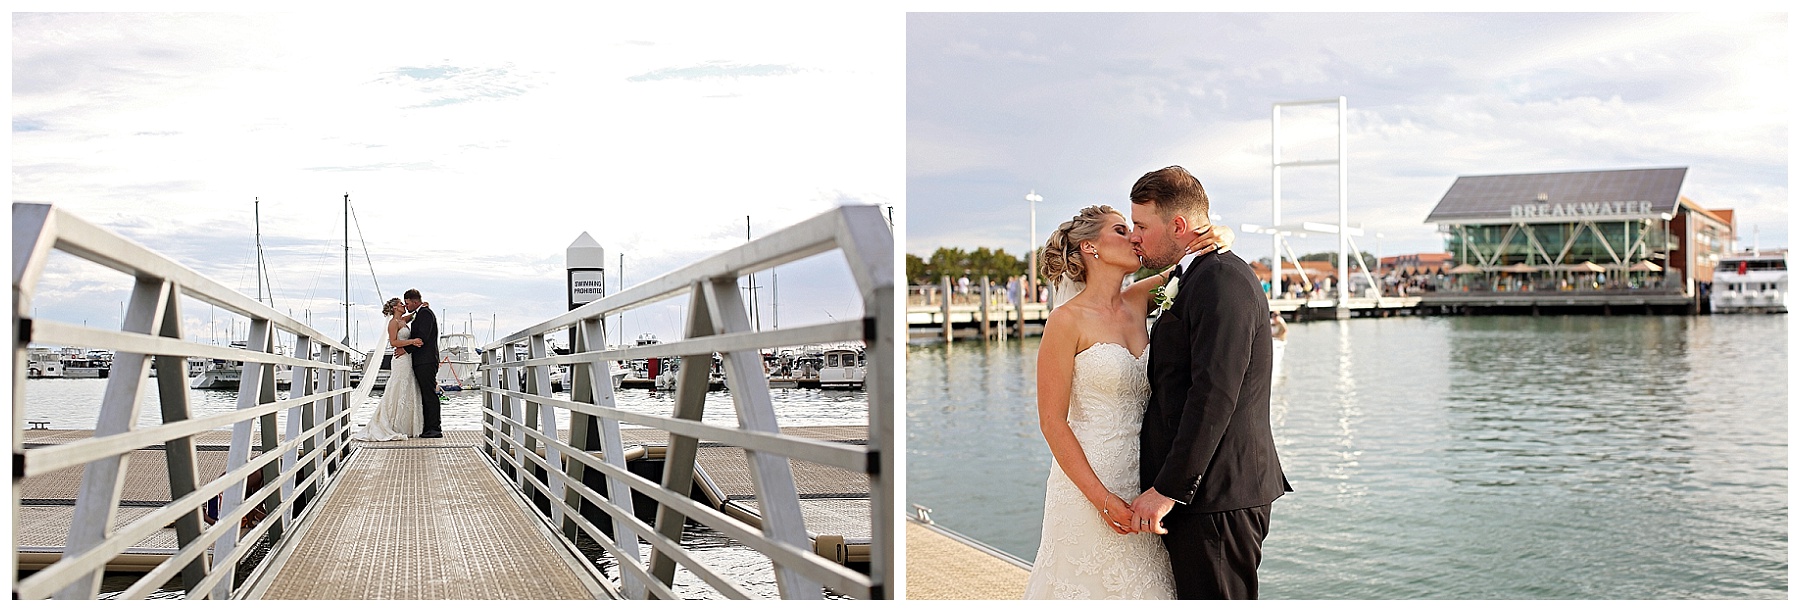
x,y
586,262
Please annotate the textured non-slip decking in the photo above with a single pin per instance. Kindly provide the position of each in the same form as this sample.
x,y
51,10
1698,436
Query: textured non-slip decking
x,y
942,565
425,519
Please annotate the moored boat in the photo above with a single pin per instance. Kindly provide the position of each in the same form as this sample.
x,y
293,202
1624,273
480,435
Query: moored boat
x,y
1752,281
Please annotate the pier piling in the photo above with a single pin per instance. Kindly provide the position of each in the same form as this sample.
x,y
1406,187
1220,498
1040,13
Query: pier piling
x,y
946,305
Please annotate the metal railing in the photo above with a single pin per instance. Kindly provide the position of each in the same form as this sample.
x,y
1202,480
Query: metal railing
x,y
295,464
518,422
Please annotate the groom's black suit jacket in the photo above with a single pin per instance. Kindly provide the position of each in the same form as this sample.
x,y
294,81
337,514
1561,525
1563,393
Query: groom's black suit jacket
x,y
424,327
1206,440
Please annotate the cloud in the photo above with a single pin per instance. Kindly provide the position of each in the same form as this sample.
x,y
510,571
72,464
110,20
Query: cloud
x,y
446,84
714,70
1076,106
471,159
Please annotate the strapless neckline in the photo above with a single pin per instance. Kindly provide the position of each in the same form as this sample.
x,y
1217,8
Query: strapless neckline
x,y
1121,347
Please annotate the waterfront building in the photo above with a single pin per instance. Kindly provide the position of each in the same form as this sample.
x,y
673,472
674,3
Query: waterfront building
x,y
1309,279
1607,230
1416,264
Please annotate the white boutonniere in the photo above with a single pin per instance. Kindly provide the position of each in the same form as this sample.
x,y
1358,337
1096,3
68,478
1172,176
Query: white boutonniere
x,y
1164,296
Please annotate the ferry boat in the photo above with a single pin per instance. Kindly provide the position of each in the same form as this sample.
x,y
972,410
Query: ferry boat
x,y
1752,281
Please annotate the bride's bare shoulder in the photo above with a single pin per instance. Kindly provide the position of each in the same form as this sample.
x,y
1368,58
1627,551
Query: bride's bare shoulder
x,y
1064,326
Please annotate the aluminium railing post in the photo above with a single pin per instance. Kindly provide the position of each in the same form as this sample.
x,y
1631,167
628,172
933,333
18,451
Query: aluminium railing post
x,y
547,426
182,461
296,388
510,378
250,383
33,236
612,449
537,383
103,480
271,439
581,433
879,388
337,434
777,499
868,245
678,461
306,383
489,389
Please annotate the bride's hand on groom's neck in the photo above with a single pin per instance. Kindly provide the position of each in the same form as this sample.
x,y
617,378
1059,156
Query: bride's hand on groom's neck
x,y
1210,238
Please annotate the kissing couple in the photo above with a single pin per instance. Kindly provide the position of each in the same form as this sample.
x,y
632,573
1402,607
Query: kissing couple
x,y
1165,465
409,406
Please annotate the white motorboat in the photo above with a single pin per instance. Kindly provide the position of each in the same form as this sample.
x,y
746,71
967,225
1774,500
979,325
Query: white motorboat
x,y
44,362
844,368
227,373
91,364
458,360
1753,281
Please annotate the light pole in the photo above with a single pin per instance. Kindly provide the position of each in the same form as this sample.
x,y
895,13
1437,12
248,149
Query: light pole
x,y
1031,200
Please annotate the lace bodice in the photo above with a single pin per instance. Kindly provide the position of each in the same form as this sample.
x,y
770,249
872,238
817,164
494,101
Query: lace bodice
x,y
404,334
1079,557
1108,393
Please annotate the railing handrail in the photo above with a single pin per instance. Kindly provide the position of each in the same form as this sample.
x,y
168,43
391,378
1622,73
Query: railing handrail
x,y
517,422
299,464
793,243
75,236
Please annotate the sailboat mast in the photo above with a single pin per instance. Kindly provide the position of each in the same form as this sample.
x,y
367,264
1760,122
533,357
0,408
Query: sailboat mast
x,y
621,335
257,215
346,267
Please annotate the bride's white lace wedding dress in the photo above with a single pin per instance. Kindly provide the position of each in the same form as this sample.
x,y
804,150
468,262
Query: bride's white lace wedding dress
x,y
1080,557
400,415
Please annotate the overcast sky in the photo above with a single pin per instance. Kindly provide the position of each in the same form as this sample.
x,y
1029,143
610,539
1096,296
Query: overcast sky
x,y
1078,106
474,149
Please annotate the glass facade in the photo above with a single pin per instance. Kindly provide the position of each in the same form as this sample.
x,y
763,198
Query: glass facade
x,y
1607,243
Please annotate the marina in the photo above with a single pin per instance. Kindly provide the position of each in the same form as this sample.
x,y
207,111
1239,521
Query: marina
x,y
1467,457
568,508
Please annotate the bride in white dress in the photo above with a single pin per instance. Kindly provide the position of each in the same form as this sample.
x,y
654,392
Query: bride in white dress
x,y
400,414
1092,387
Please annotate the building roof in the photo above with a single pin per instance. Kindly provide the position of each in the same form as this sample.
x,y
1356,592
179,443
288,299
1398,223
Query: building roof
x,y
1587,194
1722,215
1314,269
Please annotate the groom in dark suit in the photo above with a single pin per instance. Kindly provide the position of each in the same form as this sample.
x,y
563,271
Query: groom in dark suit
x,y
1208,461
425,362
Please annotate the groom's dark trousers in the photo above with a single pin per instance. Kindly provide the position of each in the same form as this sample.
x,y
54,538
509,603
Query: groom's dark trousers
x,y
1206,440
425,367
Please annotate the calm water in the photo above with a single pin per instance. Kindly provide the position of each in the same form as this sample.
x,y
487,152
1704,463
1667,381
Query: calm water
x,y
73,404
1458,458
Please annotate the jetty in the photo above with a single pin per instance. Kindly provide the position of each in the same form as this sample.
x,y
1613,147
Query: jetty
x,y
304,512
934,313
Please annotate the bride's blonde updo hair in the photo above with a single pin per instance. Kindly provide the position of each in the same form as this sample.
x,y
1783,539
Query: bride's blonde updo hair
x,y
393,304
1062,253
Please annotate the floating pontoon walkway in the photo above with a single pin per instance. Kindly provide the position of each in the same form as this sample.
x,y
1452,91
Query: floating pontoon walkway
x,y
47,502
942,564
834,501
425,519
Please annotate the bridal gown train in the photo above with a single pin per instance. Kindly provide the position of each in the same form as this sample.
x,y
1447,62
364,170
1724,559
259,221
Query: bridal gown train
x,y
1079,556
400,415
